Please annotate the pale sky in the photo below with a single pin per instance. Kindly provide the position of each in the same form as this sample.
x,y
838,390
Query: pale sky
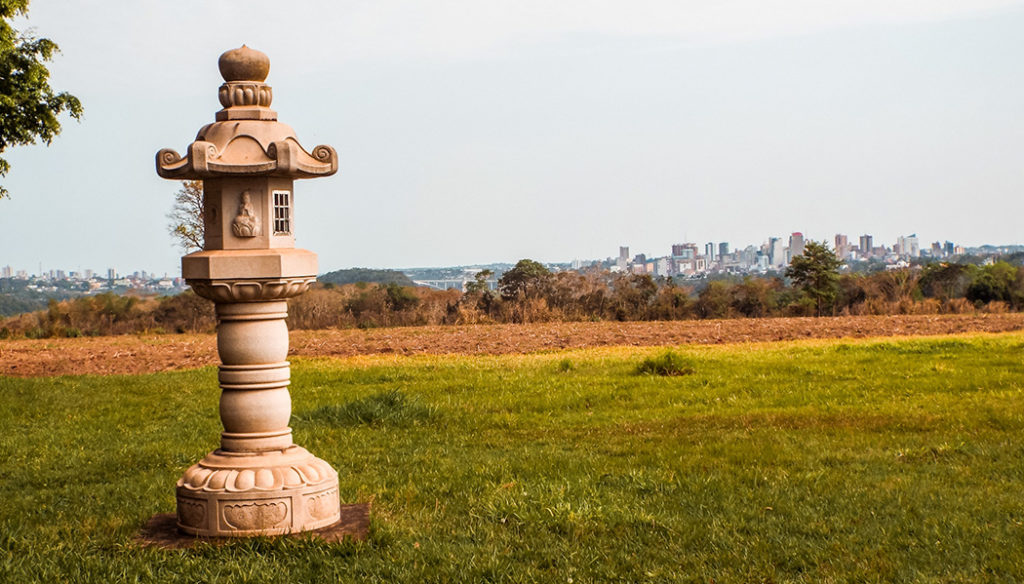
x,y
475,131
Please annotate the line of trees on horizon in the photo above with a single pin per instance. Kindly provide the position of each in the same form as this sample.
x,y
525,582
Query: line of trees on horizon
x,y
529,292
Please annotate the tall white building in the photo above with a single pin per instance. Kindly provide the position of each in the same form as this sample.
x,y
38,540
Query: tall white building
x,y
796,244
908,246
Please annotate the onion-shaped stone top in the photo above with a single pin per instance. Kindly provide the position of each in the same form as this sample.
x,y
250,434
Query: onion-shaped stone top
x,y
244,64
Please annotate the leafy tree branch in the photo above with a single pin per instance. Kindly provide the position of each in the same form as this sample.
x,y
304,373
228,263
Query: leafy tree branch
x,y
28,105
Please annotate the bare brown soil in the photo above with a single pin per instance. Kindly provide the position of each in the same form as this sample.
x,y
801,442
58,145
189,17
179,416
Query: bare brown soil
x,y
131,354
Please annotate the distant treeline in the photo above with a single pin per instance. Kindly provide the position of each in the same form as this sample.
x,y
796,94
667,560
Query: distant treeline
x,y
357,275
530,293
16,297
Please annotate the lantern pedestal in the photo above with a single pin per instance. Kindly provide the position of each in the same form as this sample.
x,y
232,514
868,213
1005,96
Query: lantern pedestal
x,y
258,482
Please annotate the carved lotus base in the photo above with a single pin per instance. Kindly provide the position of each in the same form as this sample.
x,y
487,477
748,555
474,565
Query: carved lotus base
x,y
239,495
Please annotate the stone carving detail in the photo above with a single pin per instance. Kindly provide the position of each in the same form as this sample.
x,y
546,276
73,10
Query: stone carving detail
x,y
225,480
191,513
324,153
256,515
323,505
246,93
250,493
246,223
167,157
251,290
204,160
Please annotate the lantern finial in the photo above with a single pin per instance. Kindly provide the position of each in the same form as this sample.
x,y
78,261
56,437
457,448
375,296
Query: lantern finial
x,y
244,64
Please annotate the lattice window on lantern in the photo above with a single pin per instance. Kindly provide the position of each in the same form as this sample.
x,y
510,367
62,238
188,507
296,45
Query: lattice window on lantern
x,y
282,213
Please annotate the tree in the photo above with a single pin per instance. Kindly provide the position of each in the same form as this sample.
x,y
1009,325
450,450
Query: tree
x,y
632,295
478,292
186,217
754,297
479,284
714,300
994,282
945,281
399,297
816,272
528,279
28,105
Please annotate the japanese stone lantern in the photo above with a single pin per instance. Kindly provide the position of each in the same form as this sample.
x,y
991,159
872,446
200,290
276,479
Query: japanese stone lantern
x,y
258,482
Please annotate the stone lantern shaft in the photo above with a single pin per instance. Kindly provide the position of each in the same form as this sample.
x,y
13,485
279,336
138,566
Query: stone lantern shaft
x,y
258,482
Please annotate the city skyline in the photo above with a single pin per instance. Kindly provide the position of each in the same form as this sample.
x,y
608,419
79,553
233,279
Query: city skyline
x,y
700,250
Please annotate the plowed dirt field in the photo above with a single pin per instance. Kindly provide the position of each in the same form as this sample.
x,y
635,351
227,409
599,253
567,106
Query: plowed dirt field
x,y
150,353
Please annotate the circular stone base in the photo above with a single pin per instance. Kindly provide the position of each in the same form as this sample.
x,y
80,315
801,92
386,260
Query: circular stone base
x,y
231,494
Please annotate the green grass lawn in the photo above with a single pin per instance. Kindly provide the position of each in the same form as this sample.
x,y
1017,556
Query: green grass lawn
x,y
844,461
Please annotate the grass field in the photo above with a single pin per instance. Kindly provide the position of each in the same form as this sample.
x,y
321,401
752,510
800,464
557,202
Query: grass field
x,y
815,461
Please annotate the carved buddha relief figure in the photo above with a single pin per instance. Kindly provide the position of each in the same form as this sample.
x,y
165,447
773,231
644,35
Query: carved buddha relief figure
x,y
246,224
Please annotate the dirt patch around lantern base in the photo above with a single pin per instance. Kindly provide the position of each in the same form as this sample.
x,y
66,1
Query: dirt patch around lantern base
x,y
161,530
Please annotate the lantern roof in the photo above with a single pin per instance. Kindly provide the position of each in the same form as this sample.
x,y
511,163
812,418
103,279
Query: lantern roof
x,y
246,139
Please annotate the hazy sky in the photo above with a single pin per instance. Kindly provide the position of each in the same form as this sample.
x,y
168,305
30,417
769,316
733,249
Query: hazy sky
x,y
478,131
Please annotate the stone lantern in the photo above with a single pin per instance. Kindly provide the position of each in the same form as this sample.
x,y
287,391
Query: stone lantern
x,y
258,482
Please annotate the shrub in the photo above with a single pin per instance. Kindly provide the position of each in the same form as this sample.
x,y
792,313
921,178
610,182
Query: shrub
x,y
669,364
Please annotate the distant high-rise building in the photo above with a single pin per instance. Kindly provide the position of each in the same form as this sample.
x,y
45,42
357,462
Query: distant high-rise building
x,y
776,252
936,249
623,259
723,250
89,274
949,248
677,249
686,261
111,274
640,258
709,251
747,257
866,244
842,246
796,244
6,272
908,246
61,275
